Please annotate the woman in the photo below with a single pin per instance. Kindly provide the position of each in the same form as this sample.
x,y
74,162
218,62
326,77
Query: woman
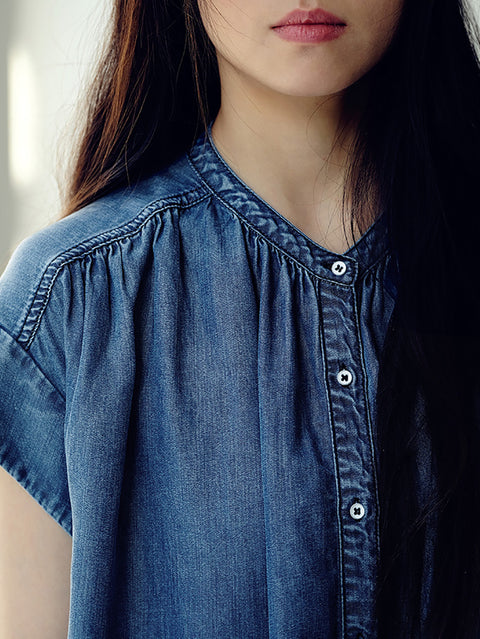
x,y
252,423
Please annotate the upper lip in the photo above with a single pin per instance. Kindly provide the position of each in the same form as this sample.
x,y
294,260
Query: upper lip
x,y
316,16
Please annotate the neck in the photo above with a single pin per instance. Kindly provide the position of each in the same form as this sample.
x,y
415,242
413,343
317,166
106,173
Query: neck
x,y
292,151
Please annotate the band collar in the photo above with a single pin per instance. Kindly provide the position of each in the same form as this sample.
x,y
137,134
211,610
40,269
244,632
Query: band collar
x,y
341,268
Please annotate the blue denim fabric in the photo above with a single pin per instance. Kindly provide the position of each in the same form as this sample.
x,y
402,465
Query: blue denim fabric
x,y
187,386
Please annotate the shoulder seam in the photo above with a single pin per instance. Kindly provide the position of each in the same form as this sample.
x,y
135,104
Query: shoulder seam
x,y
42,294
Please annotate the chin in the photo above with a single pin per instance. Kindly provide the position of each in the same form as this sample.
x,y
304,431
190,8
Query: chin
x,y
302,84
312,90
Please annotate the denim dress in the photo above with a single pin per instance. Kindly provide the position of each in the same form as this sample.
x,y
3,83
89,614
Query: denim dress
x,y
187,386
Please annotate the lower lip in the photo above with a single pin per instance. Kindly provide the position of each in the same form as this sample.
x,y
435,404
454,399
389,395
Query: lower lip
x,y
310,32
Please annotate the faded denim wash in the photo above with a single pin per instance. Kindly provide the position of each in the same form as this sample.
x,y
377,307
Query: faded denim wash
x,y
187,386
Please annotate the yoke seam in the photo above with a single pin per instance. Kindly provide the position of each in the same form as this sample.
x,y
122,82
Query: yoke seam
x,y
81,250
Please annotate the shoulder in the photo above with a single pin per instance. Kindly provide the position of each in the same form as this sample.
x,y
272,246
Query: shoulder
x,y
119,217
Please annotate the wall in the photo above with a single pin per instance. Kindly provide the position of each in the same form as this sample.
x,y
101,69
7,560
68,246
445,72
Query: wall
x,y
46,48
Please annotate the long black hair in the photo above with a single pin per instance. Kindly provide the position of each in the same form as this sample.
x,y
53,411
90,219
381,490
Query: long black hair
x,y
417,148
421,133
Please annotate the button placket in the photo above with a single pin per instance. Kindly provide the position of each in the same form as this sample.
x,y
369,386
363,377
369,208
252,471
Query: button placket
x,y
350,422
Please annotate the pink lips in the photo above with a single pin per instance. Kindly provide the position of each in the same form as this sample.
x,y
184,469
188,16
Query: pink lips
x,y
309,26
316,16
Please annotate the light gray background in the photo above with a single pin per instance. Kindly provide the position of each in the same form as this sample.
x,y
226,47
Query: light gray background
x,y
46,50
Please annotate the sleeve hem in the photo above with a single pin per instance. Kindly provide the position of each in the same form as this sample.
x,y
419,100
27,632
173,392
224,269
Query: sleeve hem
x,y
61,513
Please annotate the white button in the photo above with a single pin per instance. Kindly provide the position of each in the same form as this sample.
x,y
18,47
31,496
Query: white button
x,y
357,510
344,377
339,268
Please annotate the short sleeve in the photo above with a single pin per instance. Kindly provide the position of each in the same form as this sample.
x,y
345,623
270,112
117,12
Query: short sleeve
x,y
31,431
32,408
